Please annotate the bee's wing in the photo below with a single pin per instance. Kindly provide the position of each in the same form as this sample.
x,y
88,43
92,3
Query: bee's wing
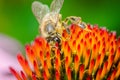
x,y
39,10
56,5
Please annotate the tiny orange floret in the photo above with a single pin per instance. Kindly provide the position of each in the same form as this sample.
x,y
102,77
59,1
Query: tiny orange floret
x,y
23,76
76,61
57,75
81,72
24,63
15,73
36,68
69,73
91,67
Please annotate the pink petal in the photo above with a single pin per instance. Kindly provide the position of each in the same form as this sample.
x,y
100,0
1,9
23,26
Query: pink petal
x,y
8,51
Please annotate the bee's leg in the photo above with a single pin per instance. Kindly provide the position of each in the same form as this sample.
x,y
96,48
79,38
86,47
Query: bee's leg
x,y
71,19
74,20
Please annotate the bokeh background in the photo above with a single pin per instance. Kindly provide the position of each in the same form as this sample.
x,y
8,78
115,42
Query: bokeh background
x,y
18,21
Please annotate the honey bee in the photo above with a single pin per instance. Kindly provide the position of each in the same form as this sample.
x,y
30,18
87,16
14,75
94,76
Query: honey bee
x,y
51,24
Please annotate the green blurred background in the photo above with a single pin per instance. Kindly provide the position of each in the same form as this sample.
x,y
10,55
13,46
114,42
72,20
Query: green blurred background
x,y
18,21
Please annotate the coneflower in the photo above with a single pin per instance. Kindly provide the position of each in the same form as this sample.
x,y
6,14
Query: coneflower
x,y
86,55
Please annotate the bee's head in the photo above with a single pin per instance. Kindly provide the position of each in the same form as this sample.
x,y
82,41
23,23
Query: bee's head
x,y
50,23
49,27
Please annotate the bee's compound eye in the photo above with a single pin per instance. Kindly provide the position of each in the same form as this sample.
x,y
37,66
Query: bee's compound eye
x,y
49,28
56,39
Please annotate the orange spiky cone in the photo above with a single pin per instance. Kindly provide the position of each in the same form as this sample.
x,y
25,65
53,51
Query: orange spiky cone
x,y
86,55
